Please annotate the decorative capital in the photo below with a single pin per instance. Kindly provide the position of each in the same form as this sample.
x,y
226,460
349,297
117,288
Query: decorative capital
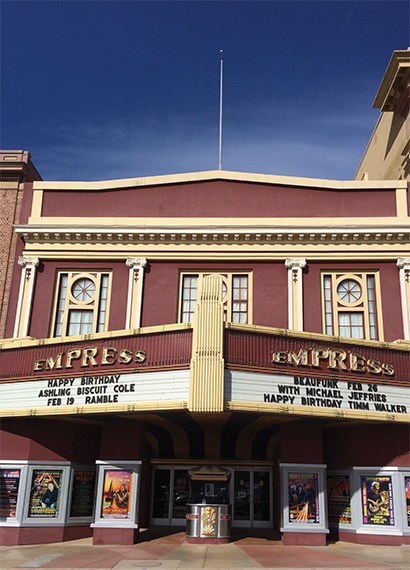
x,y
28,261
403,263
136,262
295,263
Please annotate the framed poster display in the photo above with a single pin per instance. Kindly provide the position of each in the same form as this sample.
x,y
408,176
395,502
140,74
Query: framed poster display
x,y
46,493
82,494
13,475
379,503
9,489
377,500
407,492
117,491
303,498
339,498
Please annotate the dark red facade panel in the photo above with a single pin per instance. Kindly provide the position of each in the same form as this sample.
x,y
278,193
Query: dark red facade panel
x,y
122,354
259,352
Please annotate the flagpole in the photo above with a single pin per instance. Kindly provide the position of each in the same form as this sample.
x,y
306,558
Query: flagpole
x,y
220,113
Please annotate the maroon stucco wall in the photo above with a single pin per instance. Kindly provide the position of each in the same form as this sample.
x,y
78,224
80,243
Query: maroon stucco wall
x,y
220,198
301,442
48,440
270,297
373,445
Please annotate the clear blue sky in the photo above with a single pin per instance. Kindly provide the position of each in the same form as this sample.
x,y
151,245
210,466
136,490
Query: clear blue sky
x,y
115,89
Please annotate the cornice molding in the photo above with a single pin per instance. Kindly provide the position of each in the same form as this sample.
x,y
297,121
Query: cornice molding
x,y
221,235
207,175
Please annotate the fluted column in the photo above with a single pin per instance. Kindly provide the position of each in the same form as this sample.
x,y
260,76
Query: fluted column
x,y
135,287
207,364
26,292
403,263
295,292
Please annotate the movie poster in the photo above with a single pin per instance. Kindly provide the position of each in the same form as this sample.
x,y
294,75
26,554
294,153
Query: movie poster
x,y
82,499
407,487
117,494
338,494
45,494
377,501
303,498
9,487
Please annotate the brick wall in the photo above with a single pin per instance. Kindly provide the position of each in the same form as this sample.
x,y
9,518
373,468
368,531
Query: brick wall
x,y
10,209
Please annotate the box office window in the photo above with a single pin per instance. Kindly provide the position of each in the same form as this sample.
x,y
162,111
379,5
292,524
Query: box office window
x,y
81,305
235,296
351,305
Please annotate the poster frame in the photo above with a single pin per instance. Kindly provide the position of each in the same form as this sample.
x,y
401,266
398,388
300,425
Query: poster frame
x,y
321,526
338,525
112,465
404,473
59,520
80,520
397,482
22,466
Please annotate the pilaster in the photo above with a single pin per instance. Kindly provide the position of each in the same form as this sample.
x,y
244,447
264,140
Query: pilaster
x,y
26,292
403,263
135,287
295,292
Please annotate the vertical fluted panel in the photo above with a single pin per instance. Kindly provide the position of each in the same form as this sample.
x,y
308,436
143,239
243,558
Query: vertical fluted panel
x,y
207,364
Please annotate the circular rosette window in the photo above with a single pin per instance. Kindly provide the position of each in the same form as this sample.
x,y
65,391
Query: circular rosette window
x,y
349,291
83,290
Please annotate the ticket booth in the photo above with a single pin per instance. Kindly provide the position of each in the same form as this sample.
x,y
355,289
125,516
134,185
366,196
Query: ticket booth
x,y
208,516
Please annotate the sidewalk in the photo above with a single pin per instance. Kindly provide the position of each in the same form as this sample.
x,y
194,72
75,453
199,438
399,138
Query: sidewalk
x,y
166,551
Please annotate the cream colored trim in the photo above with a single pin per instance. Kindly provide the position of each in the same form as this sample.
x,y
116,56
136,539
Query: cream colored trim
x,y
292,411
13,343
401,203
209,225
403,263
95,409
295,292
26,292
135,288
72,303
37,204
218,175
239,253
207,363
320,337
10,185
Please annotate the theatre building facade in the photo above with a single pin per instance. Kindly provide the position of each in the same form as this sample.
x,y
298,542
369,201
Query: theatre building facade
x,y
236,343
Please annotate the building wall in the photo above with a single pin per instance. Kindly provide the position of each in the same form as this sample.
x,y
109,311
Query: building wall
x,y
17,174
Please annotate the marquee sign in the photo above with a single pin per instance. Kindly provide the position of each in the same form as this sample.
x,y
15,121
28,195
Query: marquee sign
x,y
294,394
80,394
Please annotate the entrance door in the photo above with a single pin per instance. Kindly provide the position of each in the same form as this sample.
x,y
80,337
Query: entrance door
x,y
170,496
252,498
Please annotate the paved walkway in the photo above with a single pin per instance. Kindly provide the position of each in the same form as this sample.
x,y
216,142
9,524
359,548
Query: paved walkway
x,y
172,552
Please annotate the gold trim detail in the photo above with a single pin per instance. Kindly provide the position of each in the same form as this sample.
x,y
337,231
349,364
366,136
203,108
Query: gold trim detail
x,y
207,364
292,411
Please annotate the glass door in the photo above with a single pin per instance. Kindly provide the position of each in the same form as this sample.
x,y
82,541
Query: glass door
x,y
252,498
162,496
180,496
170,496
